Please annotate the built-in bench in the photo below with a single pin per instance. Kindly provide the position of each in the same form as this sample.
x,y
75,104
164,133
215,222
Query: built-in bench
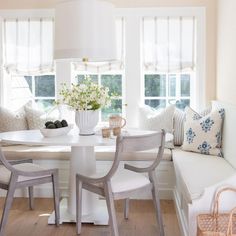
x,y
199,176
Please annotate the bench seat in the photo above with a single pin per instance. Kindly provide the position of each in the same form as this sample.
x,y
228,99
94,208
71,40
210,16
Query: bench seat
x,y
195,172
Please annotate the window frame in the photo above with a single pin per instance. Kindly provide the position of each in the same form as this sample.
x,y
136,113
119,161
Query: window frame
x,y
134,69
20,14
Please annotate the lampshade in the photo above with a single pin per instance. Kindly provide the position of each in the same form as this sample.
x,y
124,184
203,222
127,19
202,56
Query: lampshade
x,y
85,30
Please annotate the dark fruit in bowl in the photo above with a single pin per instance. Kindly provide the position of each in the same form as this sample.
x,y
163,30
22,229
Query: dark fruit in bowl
x,y
58,124
64,123
51,126
48,123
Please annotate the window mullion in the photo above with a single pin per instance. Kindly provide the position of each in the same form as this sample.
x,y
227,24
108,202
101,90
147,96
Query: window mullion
x,y
100,83
33,87
167,88
178,87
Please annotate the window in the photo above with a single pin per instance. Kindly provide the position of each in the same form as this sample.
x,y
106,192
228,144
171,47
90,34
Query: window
x,y
40,88
168,60
28,61
114,83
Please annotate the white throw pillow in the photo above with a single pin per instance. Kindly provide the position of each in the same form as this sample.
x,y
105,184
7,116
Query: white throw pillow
x,y
152,119
203,133
36,118
12,121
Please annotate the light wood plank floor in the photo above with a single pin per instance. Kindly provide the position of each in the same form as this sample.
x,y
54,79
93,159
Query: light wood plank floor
x,y
142,221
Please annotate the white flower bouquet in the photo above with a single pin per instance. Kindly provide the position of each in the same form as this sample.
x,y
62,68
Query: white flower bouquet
x,y
86,96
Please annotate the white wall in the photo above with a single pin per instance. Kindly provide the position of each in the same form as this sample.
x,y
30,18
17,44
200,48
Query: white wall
x,y
226,51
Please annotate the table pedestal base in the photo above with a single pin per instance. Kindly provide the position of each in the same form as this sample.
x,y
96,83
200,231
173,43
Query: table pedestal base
x,y
98,217
93,210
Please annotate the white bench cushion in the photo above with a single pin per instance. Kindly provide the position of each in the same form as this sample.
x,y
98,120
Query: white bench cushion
x,y
195,172
63,153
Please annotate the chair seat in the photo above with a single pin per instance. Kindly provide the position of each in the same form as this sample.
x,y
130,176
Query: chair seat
x,y
126,180
5,174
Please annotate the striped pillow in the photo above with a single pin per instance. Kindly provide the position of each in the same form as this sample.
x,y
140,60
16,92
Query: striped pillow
x,y
179,117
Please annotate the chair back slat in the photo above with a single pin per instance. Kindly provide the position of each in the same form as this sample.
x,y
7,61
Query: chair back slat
x,y
135,144
141,143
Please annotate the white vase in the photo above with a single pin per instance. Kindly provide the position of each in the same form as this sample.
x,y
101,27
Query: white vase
x,y
86,121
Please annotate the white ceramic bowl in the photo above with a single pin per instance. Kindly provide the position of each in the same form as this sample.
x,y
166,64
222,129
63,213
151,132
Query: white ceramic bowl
x,y
56,132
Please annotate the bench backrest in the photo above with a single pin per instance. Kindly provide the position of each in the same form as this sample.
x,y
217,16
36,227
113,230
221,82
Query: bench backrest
x,y
229,132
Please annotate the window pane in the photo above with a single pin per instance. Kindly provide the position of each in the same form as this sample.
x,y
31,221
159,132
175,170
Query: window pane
x,y
114,83
45,104
45,86
155,103
28,80
181,104
114,109
172,85
155,85
80,78
185,85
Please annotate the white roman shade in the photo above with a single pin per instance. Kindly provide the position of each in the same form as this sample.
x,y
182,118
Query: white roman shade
x,y
98,67
169,43
28,45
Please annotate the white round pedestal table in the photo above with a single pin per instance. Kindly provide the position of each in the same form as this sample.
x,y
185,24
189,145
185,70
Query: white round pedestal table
x,y
82,161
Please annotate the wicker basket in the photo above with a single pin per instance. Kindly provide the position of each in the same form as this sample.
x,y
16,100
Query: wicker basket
x,y
217,224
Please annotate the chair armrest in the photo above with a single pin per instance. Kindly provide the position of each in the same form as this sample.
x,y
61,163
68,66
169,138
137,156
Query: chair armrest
x,y
15,162
137,169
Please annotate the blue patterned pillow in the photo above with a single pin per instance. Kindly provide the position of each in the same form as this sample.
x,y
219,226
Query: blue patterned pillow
x,y
203,133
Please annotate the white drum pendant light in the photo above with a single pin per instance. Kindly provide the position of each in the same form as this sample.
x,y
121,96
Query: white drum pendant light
x,y
85,30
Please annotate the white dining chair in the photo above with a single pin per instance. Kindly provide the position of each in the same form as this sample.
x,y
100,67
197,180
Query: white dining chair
x,y
23,173
122,184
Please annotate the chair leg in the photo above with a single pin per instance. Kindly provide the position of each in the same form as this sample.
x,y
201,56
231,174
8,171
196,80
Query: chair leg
x,y
8,203
31,197
56,195
111,208
78,205
126,209
156,201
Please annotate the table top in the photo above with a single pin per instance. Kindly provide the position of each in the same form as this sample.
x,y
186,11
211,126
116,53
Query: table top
x,y
34,137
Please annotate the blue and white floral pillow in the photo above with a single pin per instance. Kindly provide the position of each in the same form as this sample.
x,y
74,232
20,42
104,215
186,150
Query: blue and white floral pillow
x,y
203,133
